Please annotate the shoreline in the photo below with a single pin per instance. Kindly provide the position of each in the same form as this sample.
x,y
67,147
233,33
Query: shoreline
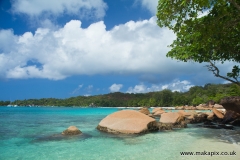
x,y
164,108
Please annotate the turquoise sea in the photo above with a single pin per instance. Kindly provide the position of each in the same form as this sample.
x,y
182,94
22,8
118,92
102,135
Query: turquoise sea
x,y
35,134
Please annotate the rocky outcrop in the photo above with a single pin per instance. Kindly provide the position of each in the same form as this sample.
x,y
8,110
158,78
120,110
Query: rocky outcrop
x,y
127,122
189,108
203,107
218,106
209,124
156,109
144,111
218,113
171,120
179,107
72,130
199,117
210,103
184,114
185,108
231,103
159,112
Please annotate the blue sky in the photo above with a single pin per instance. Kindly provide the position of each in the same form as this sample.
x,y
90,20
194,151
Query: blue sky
x,y
62,48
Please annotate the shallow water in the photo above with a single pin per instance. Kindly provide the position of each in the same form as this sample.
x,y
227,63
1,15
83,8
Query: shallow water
x,y
35,133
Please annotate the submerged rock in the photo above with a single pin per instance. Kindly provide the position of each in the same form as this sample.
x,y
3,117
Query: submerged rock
x,y
226,126
210,126
127,122
72,130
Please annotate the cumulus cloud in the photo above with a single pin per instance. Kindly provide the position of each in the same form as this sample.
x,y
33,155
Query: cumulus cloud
x,y
141,88
132,48
115,87
175,85
82,8
150,5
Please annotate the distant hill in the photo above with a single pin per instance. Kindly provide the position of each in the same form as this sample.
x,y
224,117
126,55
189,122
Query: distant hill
x,y
196,95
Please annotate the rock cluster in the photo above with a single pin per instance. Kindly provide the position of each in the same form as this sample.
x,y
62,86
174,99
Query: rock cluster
x,y
185,108
200,107
135,122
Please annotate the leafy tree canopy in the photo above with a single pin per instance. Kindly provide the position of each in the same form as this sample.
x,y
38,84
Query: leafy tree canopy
x,y
206,30
164,98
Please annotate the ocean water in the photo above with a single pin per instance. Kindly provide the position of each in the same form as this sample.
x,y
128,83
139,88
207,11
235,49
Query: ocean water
x,y
35,134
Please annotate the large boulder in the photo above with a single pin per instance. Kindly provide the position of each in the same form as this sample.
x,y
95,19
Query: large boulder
x,y
171,120
231,103
144,111
231,116
127,122
170,117
72,130
218,113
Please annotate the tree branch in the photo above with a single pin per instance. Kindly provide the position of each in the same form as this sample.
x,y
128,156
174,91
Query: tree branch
x,y
213,68
235,4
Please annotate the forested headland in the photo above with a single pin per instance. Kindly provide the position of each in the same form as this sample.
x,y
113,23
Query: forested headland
x,y
165,98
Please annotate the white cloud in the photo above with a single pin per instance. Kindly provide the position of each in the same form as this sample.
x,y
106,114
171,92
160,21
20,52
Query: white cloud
x,y
89,88
115,87
175,85
141,88
151,5
178,85
82,8
77,89
131,48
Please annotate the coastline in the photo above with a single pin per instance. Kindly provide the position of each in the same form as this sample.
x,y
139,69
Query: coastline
x,y
30,134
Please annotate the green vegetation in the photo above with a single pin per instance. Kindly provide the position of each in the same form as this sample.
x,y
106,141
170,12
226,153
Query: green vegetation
x,y
166,98
211,37
4,103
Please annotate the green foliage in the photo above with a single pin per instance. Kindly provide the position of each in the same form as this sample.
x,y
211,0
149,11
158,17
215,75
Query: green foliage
x,y
212,37
4,103
165,98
